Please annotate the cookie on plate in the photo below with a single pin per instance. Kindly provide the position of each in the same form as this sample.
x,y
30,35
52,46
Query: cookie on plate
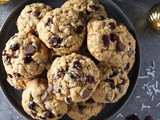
x,y
73,78
30,16
17,81
40,104
25,54
113,86
111,42
62,30
95,10
84,110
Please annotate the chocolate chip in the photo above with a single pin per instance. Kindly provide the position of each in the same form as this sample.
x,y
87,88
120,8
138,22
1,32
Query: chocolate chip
x,y
94,7
115,73
106,40
112,25
81,109
49,114
16,74
127,67
77,64
29,49
36,14
120,47
89,79
111,83
27,59
79,29
9,75
55,42
4,53
91,101
88,12
32,105
14,47
85,94
130,53
102,17
132,117
68,100
71,75
123,81
59,115
30,11
148,117
114,37
49,22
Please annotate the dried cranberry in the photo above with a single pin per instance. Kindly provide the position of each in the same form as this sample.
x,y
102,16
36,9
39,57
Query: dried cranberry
x,y
16,74
14,47
114,37
106,40
55,42
79,29
132,117
49,22
71,75
94,7
49,114
81,108
89,79
120,47
32,105
148,117
77,64
27,59
112,25
36,14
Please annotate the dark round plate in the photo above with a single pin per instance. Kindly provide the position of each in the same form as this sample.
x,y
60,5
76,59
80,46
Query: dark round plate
x,y
9,28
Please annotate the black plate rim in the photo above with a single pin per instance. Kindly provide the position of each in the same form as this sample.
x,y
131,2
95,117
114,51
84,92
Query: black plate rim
x,y
137,52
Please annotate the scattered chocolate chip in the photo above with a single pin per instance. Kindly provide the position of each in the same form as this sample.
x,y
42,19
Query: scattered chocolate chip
x,y
111,83
36,34
30,11
89,79
114,37
132,117
77,64
71,75
29,49
85,94
94,7
44,96
56,89
102,17
123,81
32,105
14,47
68,100
36,14
79,29
55,42
127,67
118,87
9,75
112,25
49,114
49,22
16,74
88,12
120,47
59,115
91,101
115,73
148,117
81,109
130,53
106,40
27,59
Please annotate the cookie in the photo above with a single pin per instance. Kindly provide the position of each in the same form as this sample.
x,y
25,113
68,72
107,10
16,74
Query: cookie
x,y
25,54
73,78
17,81
111,42
30,16
95,10
113,86
62,30
40,104
84,110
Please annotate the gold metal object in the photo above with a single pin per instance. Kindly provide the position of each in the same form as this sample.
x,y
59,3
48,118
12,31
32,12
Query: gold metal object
x,y
3,1
154,17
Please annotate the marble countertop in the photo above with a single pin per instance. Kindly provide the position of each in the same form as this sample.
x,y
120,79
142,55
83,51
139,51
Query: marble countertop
x,y
146,97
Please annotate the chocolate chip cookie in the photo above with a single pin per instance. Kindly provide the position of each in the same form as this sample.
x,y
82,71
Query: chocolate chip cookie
x,y
114,84
73,78
25,54
111,42
85,110
30,16
62,30
40,104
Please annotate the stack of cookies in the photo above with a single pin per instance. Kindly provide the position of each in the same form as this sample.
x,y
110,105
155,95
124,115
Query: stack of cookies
x,y
69,60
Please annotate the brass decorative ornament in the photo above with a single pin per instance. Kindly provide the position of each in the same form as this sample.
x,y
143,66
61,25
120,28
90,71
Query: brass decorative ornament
x,y
154,17
3,1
